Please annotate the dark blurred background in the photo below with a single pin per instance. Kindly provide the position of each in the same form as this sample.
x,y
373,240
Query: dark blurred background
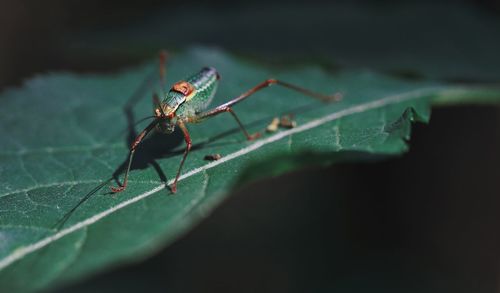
x,y
425,222
453,40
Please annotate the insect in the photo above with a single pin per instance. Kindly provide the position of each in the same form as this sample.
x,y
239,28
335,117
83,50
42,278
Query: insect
x,y
187,102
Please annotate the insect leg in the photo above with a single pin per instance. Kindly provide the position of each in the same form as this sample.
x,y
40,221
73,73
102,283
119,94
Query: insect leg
x,y
156,100
187,138
163,72
156,103
163,69
224,109
133,147
322,97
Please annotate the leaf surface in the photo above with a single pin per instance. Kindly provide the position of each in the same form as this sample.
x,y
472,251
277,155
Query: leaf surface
x,y
64,134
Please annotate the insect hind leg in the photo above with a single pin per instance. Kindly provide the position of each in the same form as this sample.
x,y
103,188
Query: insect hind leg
x,y
219,110
226,107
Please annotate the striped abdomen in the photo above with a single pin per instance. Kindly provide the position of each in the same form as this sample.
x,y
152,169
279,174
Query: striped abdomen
x,y
192,95
205,82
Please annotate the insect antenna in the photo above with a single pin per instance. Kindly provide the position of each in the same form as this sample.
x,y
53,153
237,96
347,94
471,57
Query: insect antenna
x,y
66,216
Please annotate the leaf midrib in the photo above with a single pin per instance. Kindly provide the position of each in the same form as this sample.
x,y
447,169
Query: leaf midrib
x,y
392,99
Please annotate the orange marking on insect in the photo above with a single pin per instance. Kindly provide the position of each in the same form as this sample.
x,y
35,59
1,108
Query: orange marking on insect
x,y
183,87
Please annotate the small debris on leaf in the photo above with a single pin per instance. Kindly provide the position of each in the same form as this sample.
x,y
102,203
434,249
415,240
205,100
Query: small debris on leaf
x,y
287,121
212,157
273,126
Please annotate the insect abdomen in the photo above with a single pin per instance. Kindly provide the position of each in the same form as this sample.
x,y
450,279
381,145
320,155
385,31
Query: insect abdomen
x,y
205,82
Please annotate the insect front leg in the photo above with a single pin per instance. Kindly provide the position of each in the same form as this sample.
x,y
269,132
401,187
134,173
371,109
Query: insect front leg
x,y
187,138
133,147
163,69
156,104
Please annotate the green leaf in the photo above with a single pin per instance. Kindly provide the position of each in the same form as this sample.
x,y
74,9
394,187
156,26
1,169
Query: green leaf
x,y
65,134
